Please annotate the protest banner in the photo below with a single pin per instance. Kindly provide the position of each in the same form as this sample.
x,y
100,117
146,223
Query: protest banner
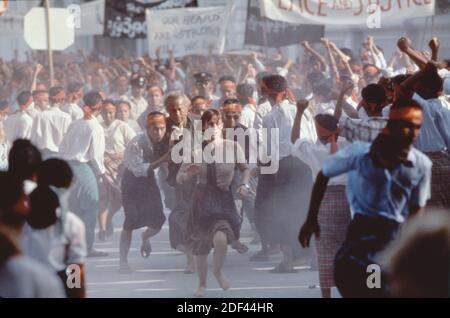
x,y
344,12
187,31
126,19
265,32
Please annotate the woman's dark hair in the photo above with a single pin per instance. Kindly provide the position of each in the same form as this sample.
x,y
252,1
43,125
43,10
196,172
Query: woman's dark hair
x,y
208,115
43,201
55,172
11,189
24,159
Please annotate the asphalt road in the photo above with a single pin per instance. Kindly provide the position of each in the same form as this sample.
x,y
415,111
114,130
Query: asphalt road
x,y
162,274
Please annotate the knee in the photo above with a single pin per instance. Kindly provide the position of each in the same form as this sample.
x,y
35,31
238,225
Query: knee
x,y
220,239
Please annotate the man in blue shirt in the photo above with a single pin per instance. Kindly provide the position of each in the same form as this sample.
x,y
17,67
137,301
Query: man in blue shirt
x,y
388,181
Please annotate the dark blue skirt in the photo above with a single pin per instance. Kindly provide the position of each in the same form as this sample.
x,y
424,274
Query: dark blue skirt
x,y
141,201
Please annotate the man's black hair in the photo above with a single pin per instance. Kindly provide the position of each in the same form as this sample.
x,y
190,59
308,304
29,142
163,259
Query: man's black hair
x,y
245,90
227,78
23,97
55,90
374,93
74,87
327,121
276,82
92,98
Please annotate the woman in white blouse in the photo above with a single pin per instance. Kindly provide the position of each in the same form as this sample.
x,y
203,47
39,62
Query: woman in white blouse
x,y
213,220
117,136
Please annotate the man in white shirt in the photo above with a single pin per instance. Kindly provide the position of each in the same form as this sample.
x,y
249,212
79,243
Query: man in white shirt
x,y
369,126
136,97
4,110
19,124
155,99
83,147
245,94
275,225
141,195
227,89
121,86
71,107
50,125
334,215
40,98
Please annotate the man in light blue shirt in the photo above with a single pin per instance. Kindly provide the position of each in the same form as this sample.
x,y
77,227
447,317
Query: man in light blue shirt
x,y
388,181
434,139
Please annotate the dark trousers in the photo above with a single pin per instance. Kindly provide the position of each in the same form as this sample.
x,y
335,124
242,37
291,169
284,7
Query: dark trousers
x,y
366,237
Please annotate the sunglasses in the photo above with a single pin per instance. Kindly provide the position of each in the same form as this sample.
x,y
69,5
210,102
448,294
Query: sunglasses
x,y
232,116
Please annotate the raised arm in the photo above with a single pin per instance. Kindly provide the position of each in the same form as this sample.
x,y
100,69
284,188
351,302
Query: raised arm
x,y
340,102
38,68
343,57
404,46
331,59
310,50
434,46
407,85
302,105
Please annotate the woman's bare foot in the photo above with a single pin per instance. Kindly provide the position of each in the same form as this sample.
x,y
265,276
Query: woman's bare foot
x,y
224,284
200,291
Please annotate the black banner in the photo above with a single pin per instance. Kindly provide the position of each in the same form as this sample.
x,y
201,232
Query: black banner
x,y
442,7
126,19
265,32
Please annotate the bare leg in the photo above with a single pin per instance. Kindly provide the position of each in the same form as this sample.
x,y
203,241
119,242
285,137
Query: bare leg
x,y
102,219
125,243
148,233
288,255
114,207
220,252
202,270
146,248
190,263
326,292
103,210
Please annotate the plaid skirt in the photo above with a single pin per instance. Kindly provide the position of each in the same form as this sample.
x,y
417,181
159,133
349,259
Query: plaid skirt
x,y
440,181
334,218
